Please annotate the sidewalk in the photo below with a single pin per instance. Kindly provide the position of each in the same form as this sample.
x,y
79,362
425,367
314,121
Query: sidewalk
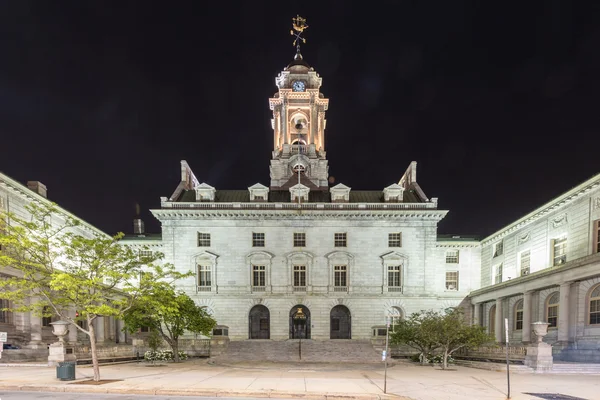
x,y
310,381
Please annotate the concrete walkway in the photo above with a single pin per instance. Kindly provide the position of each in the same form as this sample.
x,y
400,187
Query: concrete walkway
x,y
311,381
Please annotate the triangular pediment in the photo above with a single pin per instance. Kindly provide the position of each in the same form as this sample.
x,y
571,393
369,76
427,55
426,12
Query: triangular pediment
x,y
393,193
340,187
204,186
340,193
258,186
299,191
394,186
205,192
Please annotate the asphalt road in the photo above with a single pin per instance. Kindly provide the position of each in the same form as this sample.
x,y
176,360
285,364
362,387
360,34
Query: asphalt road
x,y
93,396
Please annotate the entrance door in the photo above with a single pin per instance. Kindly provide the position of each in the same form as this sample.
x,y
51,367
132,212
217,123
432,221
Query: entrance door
x,y
299,328
260,323
340,323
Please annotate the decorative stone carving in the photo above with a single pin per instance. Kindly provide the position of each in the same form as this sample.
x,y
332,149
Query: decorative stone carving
x,y
524,238
596,203
539,354
559,220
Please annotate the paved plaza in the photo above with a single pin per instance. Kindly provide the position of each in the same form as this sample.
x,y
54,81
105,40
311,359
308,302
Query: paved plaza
x,y
311,381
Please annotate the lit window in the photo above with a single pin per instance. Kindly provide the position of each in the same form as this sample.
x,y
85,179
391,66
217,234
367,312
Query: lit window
x,y
395,239
204,278
258,239
559,251
498,274
519,315
452,280
203,239
299,239
452,257
552,310
339,239
525,262
595,306
498,249
597,236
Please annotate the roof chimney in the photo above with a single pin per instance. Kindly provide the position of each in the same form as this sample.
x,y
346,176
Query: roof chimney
x,y
138,227
38,187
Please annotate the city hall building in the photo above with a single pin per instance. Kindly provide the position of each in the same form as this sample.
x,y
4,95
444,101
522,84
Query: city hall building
x,y
346,258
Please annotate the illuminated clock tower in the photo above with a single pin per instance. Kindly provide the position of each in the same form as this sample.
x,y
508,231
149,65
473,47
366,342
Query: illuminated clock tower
x,y
298,127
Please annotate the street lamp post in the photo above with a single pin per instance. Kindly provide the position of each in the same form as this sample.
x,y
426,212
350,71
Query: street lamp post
x,y
299,319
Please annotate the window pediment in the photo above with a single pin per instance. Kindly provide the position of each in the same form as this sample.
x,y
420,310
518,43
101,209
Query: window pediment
x,y
339,255
299,255
206,255
393,256
260,255
340,193
205,192
393,193
258,192
299,191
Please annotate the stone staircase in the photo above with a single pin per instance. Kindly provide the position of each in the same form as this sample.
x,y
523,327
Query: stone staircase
x,y
575,368
315,351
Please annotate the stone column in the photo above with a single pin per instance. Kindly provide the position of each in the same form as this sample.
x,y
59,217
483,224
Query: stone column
x,y
477,314
99,325
121,334
499,322
36,329
526,333
563,312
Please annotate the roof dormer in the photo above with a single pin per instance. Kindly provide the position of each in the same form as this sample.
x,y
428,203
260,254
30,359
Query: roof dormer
x,y
393,193
205,192
340,193
258,192
299,193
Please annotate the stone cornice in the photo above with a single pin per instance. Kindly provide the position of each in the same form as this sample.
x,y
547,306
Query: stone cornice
x,y
168,214
452,245
544,210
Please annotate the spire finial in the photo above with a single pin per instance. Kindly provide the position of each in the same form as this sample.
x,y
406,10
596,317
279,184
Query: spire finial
x,y
299,25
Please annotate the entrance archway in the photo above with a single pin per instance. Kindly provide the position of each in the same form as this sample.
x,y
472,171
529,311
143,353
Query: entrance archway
x,y
259,322
299,331
340,323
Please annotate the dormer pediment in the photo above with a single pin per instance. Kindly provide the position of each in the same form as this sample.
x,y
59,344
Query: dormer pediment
x,y
205,192
299,191
258,192
340,193
393,193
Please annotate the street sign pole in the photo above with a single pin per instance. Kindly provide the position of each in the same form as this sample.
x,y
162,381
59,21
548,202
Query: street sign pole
x,y
385,353
507,363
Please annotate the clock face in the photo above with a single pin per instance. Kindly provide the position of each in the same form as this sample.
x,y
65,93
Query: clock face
x,y
298,86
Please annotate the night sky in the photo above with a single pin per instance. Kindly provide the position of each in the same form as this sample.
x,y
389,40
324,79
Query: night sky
x,y
497,101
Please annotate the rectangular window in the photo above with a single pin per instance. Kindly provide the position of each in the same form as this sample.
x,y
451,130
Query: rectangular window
x,y
559,251
395,239
594,312
452,280
258,239
335,324
299,239
144,254
204,278
203,239
498,249
144,329
258,276
339,239
498,274
452,257
525,262
5,316
394,276
339,276
519,320
300,276
597,236
553,316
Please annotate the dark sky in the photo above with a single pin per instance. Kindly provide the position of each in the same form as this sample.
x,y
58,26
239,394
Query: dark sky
x,y
497,101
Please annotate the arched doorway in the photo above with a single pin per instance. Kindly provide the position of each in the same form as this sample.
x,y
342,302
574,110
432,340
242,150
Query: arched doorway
x,y
299,330
340,323
259,323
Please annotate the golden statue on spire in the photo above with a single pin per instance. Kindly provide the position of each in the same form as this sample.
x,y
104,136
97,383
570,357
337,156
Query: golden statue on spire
x,y
299,25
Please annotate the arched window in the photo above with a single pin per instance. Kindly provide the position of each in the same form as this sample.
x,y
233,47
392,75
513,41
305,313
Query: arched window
x,y
552,309
595,306
395,314
519,315
492,321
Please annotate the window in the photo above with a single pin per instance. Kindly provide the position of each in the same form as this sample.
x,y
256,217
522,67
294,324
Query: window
x,y
595,306
299,239
5,316
339,239
452,257
258,239
498,274
144,329
552,310
519,315
597,236
395,239
299,277
258,276
525,262
498,249
452,280
204,278
144,254
559,251
203,239
339,278
394,278
46,320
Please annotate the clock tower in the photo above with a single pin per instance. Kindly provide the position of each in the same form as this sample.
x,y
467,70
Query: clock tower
x,y
298,128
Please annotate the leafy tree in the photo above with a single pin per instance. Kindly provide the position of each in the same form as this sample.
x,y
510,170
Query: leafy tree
x,y
417,331
67,270
169,312
452,332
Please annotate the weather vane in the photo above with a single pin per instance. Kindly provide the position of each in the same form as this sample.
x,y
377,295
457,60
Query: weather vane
x,y
299,25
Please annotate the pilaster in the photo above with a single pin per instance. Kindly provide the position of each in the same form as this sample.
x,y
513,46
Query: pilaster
x,y
526,333
498,323
563,312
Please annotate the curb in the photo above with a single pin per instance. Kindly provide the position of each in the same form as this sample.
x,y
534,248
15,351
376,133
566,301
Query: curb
x,y
202,392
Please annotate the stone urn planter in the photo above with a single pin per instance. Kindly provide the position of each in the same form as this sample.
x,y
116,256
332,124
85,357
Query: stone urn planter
x,y
60,351
60,329
540,329
539,354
